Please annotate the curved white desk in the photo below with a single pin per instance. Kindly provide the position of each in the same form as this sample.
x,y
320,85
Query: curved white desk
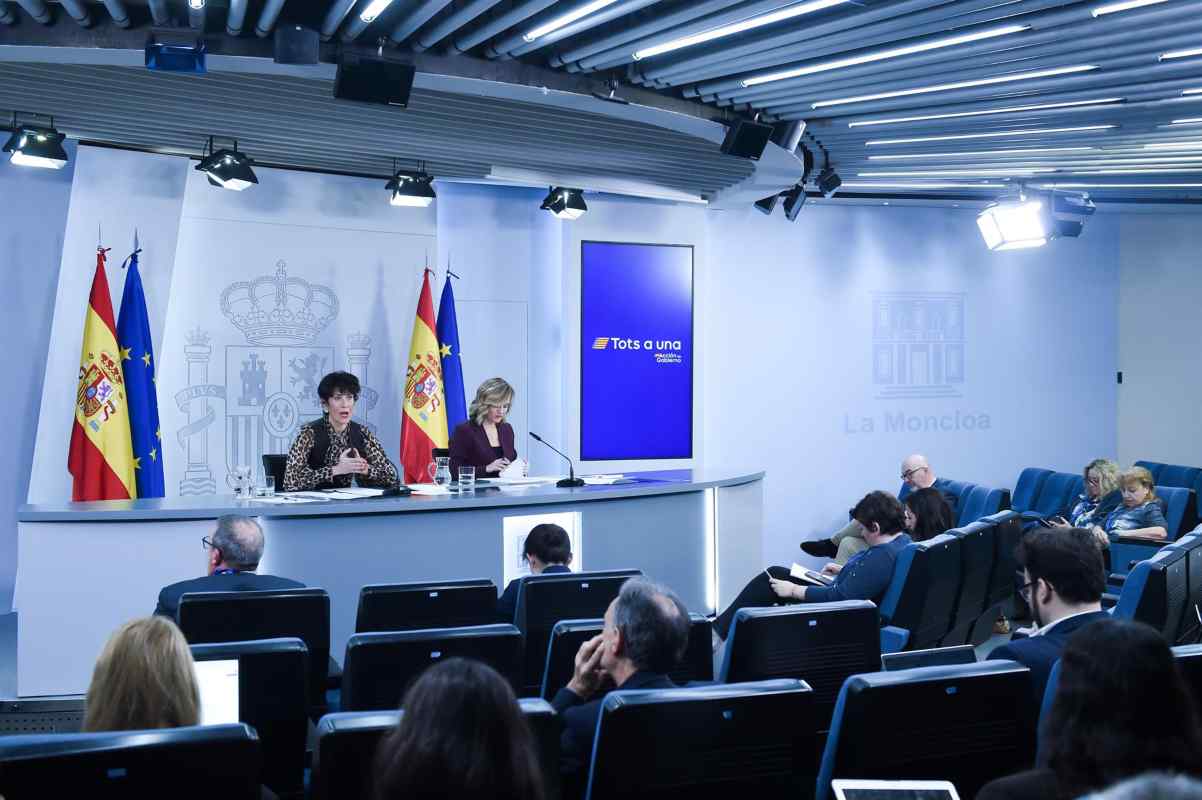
x,y
84,568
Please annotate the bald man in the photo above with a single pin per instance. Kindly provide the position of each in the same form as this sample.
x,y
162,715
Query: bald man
x,y
917,474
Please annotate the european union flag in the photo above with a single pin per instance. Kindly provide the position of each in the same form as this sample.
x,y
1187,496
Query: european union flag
x,y
452,366
137,362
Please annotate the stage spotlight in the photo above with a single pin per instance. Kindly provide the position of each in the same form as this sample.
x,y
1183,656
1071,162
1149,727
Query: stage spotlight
x,y
565,203
34,146
768,204
228,169
828,181
411,189
1069,212
1014,224
795,198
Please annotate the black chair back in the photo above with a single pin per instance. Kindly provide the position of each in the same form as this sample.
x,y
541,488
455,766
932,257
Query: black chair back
x,y
935,657
414,606
706,741
195,763
1190,629
819,643
977,555
968,724
1189,662
217,617
346,743
698,661
380,666
273,699
275,465
544,600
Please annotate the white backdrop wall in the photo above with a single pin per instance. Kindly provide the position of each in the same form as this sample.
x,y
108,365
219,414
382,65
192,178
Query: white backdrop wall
x,y
1160,340
841,343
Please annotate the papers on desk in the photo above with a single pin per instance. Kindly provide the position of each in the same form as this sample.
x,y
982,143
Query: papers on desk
x,y
349,493
357,491
285,499
605,480
534,480
516,469
428,488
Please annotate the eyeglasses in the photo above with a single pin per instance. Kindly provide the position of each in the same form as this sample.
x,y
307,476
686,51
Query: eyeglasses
x,y
207,544
1025,590
499,407
1094,481
911,473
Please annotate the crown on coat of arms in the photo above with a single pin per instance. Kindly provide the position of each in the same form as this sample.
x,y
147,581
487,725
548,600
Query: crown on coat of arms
x,y
279,310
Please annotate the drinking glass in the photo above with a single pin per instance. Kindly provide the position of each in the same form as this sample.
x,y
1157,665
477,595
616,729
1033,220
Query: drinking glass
x,y
439,470
268,487
467,479
239,480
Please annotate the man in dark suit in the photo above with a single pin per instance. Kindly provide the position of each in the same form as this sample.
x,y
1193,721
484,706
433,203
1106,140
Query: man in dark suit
x,y
1063,580
548,551
234,550
645,635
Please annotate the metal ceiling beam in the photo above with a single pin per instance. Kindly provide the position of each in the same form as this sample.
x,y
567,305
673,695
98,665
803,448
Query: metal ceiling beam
x,y
521,12
451,24
117,11
235,18
78,11
334,18
268,17
7,17
517,45
37,9
160,14
416,18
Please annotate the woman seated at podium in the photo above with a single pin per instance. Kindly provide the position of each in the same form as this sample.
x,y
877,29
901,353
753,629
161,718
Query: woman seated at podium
x,y
330,451
485,440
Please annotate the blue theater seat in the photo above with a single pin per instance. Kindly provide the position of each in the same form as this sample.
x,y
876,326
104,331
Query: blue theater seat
x,y
1055,496
1181,515
438,604
978,552
934,657
1156,592
917,607
1155,467
1007,532
380,666
1026,490
968,724
1190,630
819,643
705,741
196,763
978,502
345,748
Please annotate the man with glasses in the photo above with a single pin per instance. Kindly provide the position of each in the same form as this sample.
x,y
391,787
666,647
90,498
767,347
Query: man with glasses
x,y
1063,580
916,474
232,552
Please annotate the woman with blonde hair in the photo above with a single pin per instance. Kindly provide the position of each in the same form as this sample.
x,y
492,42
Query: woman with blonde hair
x,y
1102,495
485,440
144,678
1141,513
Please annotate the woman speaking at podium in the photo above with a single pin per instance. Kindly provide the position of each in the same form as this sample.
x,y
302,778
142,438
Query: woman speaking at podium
x,y
330,451
485,440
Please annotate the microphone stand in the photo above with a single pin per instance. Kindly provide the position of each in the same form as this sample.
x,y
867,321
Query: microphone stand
x,y
570,482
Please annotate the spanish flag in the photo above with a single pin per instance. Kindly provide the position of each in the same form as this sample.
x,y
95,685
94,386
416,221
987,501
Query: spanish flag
x,y
101,458
424,420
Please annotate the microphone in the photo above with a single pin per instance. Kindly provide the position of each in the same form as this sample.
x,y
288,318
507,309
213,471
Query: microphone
x,y
569,482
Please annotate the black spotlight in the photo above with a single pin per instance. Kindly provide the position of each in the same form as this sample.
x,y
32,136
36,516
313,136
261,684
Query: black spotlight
x,y
228,169
411,189
828,181
795,198
767,204
36,146
564,203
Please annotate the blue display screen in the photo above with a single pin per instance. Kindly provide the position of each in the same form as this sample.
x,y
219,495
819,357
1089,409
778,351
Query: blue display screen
x,y
636,351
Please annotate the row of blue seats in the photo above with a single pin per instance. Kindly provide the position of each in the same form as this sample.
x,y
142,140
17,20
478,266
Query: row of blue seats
x,y
974,501
1174,475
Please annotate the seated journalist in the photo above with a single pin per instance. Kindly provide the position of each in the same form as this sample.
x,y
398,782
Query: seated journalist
x,y
916,474
329,452
645,635
865,577
548,551
1141,514
233,553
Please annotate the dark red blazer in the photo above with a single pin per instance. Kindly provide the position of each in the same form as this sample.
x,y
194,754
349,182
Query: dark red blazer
x,y
470,447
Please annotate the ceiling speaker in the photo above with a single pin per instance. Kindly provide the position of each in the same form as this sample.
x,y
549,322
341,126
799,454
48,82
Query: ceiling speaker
x,y
747,139
373,80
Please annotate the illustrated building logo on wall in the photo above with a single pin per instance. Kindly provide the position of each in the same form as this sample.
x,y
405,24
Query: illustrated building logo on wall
x,y
270,386
918,345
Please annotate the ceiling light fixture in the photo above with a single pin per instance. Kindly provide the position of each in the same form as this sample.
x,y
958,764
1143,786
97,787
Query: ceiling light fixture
x,y
1127,5
1018,151
1187,121
565,203
1015,224
1185,168
196,5
410,189
952,173
1196,51
947,87
374,9
1077,105
883,55
1190,145
566,19
228,169
36,146
1121,185
736,27
920,186
1191,91
992,135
